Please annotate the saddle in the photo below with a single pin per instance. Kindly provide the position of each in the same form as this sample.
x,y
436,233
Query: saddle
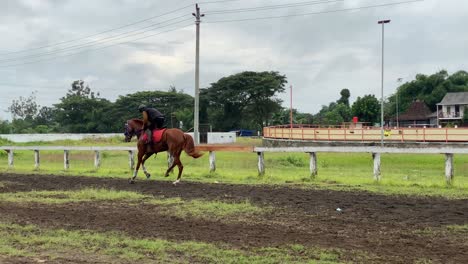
x,y
157,135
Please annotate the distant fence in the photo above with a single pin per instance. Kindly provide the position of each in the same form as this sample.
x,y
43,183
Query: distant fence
x,y
367,134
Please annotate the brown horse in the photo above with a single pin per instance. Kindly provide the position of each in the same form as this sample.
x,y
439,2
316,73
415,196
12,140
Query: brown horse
x,y
173,141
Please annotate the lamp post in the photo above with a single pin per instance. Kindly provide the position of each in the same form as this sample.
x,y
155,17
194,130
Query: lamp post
x,y
382,22
397,98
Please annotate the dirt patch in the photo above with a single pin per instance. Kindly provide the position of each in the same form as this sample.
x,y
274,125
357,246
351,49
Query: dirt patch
x,y
383,226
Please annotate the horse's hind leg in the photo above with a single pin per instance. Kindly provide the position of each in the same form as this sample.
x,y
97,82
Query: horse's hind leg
x,y
180,166
171,165
135,173
147,155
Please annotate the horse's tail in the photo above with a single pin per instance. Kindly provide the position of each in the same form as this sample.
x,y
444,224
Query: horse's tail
x,y
189,147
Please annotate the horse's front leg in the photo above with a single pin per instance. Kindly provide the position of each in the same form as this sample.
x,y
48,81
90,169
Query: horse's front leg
x,y
147,155
135,173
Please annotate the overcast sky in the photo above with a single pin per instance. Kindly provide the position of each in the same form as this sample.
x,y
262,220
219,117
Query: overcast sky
x,y
319,53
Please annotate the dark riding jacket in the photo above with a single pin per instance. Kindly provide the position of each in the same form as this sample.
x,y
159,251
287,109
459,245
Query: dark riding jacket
x,y
152,118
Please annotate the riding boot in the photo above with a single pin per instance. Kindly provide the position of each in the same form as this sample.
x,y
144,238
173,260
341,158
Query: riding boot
x,y
149,136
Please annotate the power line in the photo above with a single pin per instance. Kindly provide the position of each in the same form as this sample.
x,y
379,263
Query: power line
x,y
261,8
221,1
97,42
100,48
100,33
312,13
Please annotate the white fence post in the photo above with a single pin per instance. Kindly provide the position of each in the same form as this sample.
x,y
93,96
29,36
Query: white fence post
x,y
97,159
131,159
212,161
36,159
10,157
66,160
376,157
261,164
449,167
313,164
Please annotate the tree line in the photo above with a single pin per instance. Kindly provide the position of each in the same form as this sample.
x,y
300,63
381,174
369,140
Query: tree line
x,y
247,100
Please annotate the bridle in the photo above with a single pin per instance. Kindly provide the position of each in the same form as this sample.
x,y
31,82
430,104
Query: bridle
x,y
130,132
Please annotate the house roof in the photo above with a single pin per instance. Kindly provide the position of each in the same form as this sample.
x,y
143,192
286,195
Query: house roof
x,y
418,110
460,98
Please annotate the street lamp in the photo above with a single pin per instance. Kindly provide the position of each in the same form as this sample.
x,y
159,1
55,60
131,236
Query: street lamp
x,y
383,22
397,98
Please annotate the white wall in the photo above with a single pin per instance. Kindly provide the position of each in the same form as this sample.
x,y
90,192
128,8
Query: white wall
x,y
20,138
220,137
213,137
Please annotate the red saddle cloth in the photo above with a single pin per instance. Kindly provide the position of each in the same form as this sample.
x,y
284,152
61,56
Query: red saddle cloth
x,y
157,135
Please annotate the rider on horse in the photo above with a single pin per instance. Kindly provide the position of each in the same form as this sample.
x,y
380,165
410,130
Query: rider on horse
x,y
152,119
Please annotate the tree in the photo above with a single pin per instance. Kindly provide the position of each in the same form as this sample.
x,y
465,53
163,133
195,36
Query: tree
x,y
336,112
430,89
81,89
24,108
81,112
344,99
367,109
246,99
176,106
5,127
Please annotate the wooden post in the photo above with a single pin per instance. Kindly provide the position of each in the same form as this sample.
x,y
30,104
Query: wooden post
x,y
97,159
261,164
66,160
131,159
212,161
449,167
376,157
36,159
313,164
10,158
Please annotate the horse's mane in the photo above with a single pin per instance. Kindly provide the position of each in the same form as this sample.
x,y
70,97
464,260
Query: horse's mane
x,y
136,120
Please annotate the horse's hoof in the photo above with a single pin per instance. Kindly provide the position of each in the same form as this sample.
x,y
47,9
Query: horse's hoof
x,y
166,175
176,182
148,176
131,181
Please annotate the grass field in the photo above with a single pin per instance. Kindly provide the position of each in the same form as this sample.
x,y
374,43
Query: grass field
x,y
401,173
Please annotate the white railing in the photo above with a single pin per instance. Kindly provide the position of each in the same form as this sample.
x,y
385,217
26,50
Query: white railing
x,y
376,153
97,153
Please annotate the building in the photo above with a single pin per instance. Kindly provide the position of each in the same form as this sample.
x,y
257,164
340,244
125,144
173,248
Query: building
x,y
418,114
451,109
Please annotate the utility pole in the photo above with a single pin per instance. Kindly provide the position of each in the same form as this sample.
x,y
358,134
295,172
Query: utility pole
x,y
382,22
397,95
196,122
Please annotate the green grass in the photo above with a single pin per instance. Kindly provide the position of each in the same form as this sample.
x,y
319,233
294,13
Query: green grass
x,y
59,197
202,209
458,228
205,209
33,242
412,174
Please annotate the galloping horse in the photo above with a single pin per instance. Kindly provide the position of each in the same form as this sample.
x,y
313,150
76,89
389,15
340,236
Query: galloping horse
x,y
173,141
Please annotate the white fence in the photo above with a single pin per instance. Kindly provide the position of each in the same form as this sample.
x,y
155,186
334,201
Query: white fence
x,y
375,151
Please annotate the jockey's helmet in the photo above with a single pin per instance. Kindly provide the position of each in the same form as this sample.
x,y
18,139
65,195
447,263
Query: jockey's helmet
x,y
141,108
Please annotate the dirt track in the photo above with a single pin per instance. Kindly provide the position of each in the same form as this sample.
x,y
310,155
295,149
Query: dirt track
x,y
383,226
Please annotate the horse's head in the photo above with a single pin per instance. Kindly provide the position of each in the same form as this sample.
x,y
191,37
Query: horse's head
x,y
129,132
132,128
